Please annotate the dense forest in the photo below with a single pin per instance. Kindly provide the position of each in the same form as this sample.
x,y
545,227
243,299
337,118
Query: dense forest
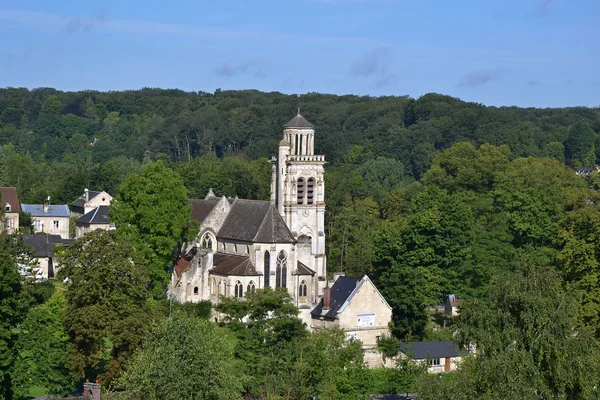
x,y
427,196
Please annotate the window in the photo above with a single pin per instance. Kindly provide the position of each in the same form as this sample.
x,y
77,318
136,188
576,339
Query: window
x,y
251,287
222,288
302,291
247,249
300,190
432,362
196,290
267,269
224,247
55,224
235,248
310,192
207,241
7,207
281,271
239,289
38,225
213,287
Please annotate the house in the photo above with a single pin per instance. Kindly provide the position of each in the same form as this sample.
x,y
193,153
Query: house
x,y
442,356
43,246
94,219
452,307
244,245
359,308
89,200
49,218
11,207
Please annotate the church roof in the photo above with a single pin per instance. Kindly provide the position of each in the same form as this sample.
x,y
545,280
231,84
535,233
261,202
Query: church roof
x,y
298,122
232,264
201,208
255,221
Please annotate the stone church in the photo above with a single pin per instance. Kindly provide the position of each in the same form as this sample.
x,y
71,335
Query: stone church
x,y
244,245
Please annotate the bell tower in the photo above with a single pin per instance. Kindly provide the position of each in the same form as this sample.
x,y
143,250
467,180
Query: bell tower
x,y
298,191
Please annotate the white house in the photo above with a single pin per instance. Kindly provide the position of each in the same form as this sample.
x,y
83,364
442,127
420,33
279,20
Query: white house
x,y
49,218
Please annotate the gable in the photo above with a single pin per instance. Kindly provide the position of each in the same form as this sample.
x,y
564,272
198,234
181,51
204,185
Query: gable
x,y
8,195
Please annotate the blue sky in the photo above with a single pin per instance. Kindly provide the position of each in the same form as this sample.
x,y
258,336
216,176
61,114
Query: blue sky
x,y
541,53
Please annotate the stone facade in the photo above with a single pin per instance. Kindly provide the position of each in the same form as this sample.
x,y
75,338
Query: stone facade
x,y
52,219
10,205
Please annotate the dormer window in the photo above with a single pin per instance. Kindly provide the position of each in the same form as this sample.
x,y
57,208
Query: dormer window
x,y
7,207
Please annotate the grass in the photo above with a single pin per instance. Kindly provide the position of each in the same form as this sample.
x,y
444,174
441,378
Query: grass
x,y
37,391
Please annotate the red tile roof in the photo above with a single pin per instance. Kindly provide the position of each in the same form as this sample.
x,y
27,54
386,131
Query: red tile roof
x,y
9,195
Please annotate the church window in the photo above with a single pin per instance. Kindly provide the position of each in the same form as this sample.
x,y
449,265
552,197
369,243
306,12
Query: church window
x,y
239,289
207,241
281,272
213,287
267,269
196,290
251,287
235,248
310,190
302,291
222,288
300,190
224,247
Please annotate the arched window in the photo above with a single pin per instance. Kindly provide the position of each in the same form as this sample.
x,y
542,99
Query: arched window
x,y
251,288
213,287
310,190
222,288
207,241
302,291
239,289
196,290
281,272
267,269
300,190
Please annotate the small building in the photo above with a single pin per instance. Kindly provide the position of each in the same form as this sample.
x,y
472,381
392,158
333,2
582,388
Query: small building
x,y
452,307
89,200
49,218
43,246
95,219
442,356
356,306
11,207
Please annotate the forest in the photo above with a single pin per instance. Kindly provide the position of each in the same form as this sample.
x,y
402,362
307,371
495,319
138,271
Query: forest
x,y
428,196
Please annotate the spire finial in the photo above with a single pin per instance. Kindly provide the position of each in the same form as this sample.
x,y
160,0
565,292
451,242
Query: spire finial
x,y
298,95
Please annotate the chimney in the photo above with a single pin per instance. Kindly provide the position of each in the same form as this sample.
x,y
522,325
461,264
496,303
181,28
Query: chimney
x,y
46,206
326,297
86,194
91,390
336,275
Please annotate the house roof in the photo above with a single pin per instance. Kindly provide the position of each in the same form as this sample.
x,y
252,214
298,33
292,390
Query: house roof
x,y
9,195
341,292
98,215
231,264
423,350
298,122
303,270
181,264
42,244
255,221
54,210
80,202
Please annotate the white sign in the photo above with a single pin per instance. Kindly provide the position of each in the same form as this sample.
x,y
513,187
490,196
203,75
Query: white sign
x,y
365,319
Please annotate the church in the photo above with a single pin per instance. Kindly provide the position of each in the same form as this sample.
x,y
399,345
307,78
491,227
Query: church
x,y
244,245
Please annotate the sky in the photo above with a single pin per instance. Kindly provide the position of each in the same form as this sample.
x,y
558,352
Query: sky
x,y
529,53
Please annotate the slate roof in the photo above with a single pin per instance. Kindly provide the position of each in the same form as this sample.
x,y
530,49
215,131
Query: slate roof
x,y
80,202
98,215
303,270
423,350
231,264
201,208
255,221
341,291
54,210
42,243
298,122
9,195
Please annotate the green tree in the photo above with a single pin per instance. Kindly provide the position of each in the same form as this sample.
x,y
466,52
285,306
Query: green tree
x,y
527,346
152,211
41,353
579,146
106,301
184,358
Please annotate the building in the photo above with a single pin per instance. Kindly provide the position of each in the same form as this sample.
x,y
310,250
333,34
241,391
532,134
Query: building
x,y
11,207
246,244
94,219
442,356
49,218
359,308
89,200
43,246
452,306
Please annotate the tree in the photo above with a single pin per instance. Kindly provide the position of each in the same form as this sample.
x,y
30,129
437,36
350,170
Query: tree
x,y
152,211
184,358
106,301
41,352
579,146
527,346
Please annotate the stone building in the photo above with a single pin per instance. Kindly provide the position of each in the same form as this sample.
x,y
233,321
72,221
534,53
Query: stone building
x,y
442,356
49,218
247,244
89,200
97,218
11,207
44,246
